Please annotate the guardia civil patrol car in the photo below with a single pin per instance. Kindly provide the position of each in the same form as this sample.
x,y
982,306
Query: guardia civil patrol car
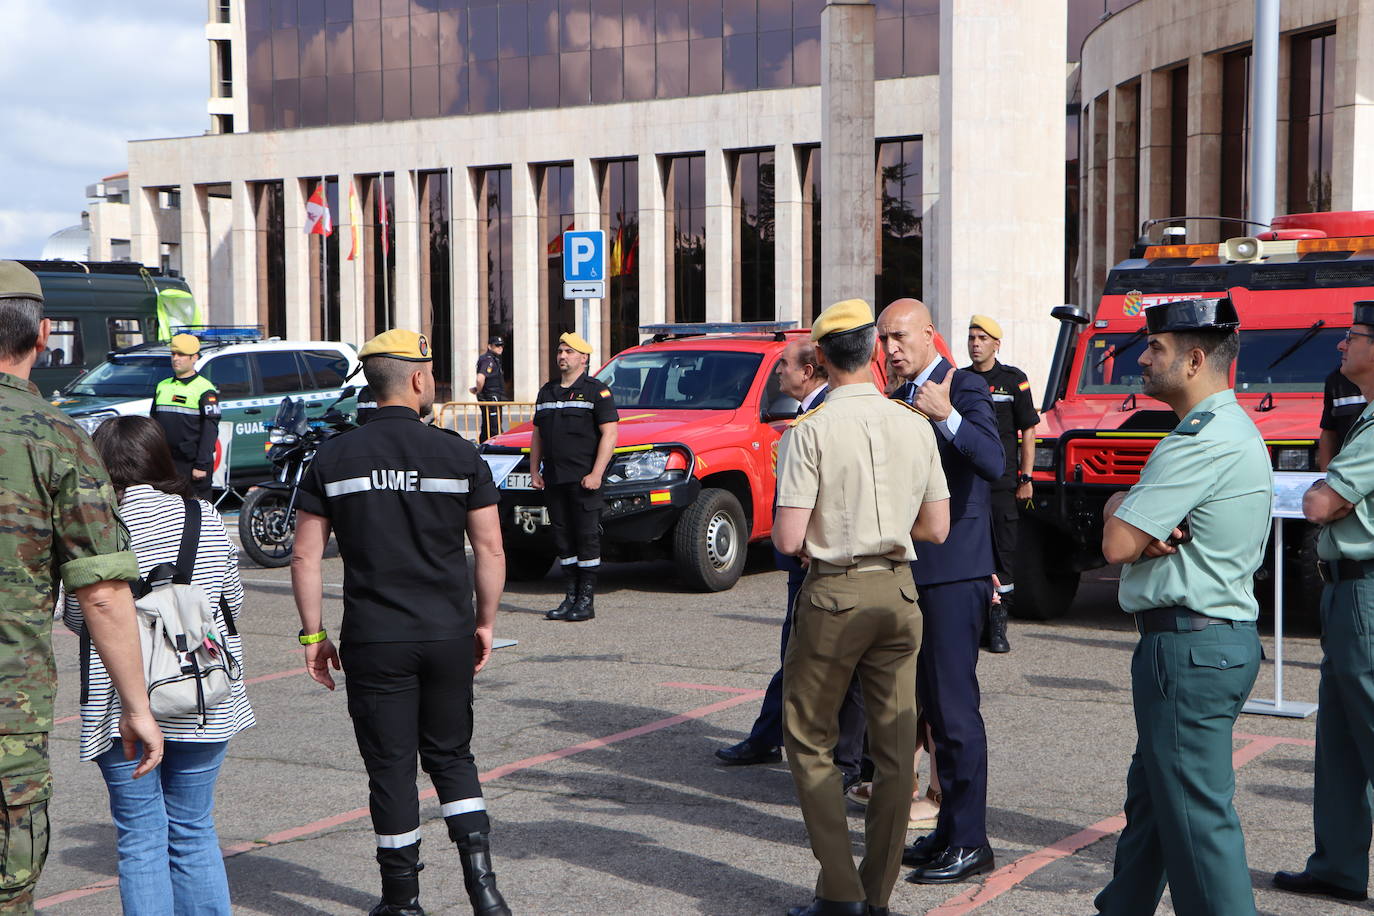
x,y
252,373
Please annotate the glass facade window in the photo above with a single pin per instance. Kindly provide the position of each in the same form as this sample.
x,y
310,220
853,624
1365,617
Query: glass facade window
x,y
809,167
1235,139
900,212
1311,121
1072,193
379,257
556,314
494,260
269,210
685,203
380,56
436,296
754,274
620,215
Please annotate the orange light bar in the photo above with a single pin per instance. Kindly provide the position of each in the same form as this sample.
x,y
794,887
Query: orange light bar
x,y
1180,251
1359,243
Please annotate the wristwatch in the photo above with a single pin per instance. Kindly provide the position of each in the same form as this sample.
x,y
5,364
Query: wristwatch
x,y
1024,478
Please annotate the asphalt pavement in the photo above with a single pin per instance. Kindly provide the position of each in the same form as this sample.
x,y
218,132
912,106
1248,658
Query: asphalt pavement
x,y
596,739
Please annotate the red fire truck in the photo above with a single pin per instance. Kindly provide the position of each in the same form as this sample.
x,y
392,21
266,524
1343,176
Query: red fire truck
x,y
1293,285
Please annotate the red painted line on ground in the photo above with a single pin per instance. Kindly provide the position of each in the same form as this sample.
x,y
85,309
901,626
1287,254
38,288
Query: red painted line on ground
x,y
1009,876
716,687
1301,742
346,817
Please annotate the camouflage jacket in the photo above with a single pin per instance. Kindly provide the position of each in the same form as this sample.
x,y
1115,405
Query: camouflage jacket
x,y
57,523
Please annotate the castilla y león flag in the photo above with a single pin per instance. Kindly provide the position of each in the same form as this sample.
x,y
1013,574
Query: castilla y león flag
x,y
318,220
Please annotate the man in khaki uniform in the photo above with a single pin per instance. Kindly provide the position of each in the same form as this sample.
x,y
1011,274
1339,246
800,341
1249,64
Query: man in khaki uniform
x,y
859,478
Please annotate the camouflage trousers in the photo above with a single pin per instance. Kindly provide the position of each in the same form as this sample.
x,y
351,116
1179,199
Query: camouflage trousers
x,y
26,783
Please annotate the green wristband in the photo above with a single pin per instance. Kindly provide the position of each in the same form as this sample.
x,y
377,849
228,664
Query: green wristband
x,y
311,639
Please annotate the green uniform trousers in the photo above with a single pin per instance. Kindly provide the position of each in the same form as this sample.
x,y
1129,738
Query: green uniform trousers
x,y
865,622
1345,736
1188,687
26,783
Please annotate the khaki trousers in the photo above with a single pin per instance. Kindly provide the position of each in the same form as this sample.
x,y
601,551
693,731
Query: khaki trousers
x,y
863,621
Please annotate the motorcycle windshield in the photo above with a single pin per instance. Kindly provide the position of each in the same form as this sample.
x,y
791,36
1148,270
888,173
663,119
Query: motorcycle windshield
x,y
291,416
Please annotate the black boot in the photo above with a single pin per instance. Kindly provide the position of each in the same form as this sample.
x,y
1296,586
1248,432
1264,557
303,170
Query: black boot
x,y
400,893
475,851
997,624
569,594
585,606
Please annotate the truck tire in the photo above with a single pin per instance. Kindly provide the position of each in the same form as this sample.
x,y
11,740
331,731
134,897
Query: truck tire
x,y
1045,584
527,565
711,540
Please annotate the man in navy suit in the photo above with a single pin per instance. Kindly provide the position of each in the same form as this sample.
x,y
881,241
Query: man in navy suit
x,y
802,378
954,581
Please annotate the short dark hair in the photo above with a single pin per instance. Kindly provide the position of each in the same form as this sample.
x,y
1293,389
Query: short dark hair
x,y
20,317
808,358
849,351
1220,347
386,376
135,451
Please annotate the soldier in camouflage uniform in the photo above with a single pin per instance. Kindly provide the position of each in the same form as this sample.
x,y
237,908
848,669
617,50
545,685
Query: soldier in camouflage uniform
x,y
57,517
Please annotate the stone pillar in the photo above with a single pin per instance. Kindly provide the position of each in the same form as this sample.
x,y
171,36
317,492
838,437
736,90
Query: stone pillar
x,y
525,252
1002,173
787,235
1354,113
407,305
144,239
720,234
467,300
848,220
1123,179
587,215
1155,141
300,267
220,256
652,242
244,245
1204,145
195,249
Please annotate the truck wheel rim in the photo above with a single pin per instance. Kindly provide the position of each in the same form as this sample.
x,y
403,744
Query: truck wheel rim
x,y
722,542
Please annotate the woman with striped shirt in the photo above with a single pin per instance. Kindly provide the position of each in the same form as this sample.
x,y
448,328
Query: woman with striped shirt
x,y
169,856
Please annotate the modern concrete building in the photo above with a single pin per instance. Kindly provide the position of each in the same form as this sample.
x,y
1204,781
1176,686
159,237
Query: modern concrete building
x,y
473,132
1166,119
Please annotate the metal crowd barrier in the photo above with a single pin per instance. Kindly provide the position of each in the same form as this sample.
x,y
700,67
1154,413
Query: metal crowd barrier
x,y
465,417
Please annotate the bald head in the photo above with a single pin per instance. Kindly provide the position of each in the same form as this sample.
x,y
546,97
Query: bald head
x,y
908,337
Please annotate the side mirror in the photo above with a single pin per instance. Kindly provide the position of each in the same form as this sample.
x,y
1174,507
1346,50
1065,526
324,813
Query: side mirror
x,y
780,408
347,393
1069,312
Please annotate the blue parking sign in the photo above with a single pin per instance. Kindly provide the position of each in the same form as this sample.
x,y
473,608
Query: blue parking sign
x,y
584,256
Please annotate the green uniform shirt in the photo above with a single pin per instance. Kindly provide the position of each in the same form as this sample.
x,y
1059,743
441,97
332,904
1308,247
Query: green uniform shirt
x,y
57,522
1351,475
1213,470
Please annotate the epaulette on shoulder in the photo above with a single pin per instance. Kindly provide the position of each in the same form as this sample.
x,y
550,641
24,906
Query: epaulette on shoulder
x,y
445,429
810,413
1194,424
908,407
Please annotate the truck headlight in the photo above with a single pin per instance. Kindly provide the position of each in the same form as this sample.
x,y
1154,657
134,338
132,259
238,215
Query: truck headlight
x,y
1293,459
631,466
1044,458
89,421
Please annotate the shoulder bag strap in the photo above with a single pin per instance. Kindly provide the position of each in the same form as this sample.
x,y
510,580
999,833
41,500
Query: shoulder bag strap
x,y
190,540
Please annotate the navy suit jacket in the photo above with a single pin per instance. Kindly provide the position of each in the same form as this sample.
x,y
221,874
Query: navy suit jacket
x,y
791,565
972,461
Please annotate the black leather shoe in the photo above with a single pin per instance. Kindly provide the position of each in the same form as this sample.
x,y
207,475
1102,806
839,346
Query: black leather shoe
x,y
747,753
955,864
821,907
877,910
584,608
851,780
997,625
1300,882
922,852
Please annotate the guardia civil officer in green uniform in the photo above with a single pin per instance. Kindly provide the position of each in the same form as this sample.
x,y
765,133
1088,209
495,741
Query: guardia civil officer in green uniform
x,y
186,406
1191,534
1343,504
57,524
855,516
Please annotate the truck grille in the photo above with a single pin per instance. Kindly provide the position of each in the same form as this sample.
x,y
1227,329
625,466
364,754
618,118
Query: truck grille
x,y
1116,461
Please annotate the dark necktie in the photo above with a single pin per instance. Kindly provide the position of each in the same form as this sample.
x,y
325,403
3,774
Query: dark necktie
x,y
907,392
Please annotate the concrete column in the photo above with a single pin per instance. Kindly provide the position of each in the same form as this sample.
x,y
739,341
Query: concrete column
x,y
848,220
525,253
407,305
244,254
587,215
1204,145
220,257
300,267
931,214
1002,172
787,235
720,234
1124,178
1154,145
652,241
195,249
143,229
1352,179
467,299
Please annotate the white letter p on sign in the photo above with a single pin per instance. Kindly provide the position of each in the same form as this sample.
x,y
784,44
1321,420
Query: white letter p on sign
x,y
583,250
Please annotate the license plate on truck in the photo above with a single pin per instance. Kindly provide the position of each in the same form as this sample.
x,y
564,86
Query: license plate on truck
x,y
515,481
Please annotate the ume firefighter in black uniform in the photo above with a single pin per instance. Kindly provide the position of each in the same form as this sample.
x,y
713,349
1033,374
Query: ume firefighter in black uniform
x,y
400,496
575,424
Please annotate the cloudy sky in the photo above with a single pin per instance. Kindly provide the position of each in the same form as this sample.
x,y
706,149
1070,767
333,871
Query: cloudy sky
x,y
77,80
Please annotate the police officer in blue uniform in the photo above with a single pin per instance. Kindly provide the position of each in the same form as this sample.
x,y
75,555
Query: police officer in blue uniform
x,y
1191,534
490,384
575,428
401,497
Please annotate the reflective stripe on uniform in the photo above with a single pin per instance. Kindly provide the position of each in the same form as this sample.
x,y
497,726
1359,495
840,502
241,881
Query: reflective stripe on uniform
x,y
443,485
567,561
351,485
463,806
557,405
1348,401
398,840
586,563
421,485
1003,397
177,408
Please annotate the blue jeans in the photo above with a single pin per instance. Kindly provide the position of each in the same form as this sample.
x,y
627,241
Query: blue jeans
x,y
169,858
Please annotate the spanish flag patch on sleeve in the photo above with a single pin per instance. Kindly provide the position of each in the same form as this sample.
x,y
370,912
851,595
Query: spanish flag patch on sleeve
x,y
1024,386
605,392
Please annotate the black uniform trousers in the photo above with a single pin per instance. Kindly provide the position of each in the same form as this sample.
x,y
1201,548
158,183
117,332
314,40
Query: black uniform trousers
x,y
1005,516
404,698
767,731
575,516
200,488
491,420
947,688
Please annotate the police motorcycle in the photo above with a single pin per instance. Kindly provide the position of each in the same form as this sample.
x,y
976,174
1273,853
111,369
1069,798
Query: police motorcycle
x,y
267,519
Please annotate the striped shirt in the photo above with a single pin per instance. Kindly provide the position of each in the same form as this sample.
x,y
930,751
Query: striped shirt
x,y
154,520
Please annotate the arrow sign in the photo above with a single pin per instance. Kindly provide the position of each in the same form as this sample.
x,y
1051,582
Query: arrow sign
x,y
585,290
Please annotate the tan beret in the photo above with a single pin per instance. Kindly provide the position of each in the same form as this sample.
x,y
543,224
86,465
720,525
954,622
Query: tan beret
x,y
17,281
576,342
842,317
398,343
993,329
185,344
